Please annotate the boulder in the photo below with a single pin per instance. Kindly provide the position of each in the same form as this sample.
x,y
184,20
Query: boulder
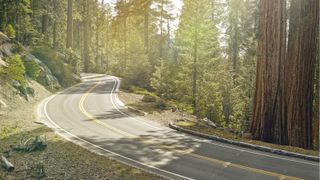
x,y
3,63
3,104
208,122
174,108
3,38
46,78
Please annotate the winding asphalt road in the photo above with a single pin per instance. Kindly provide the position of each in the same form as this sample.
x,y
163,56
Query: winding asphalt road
x,y
91,115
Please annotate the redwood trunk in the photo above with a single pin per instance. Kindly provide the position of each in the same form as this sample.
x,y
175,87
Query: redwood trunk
x,y
70,25
146,29
44,23
269,123
86,37
302,49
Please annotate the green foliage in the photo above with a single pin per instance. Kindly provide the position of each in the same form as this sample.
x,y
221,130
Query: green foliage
x,y
9,31
241,34
73,58
18,14
17,48
137,75
61,70
15,70
163,79
162,104
5,132
139,90
128,45
32,69
200,68
137,71
149,98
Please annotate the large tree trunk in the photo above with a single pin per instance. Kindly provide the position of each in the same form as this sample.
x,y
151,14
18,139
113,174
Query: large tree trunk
x,y
70,24
316,105
54,35
269,123
301,60
97,52
195,67
54,26
146,30
44,23
125,42
86,38
161,31
146,7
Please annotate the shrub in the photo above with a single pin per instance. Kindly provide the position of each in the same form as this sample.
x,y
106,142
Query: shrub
x,y
138,73
9,31
32,69
162,104
15,69
74,59
149,98
17,48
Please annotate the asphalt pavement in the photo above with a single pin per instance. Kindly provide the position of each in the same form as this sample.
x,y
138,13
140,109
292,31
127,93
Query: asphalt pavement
x,y
91,115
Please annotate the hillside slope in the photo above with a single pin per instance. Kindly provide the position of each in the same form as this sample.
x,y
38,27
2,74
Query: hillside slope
x,y
18,125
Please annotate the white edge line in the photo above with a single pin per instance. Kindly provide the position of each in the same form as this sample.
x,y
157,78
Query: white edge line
x,y
101,148
113,104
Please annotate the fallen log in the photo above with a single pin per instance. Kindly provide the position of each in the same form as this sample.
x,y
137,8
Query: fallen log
x,y
39,144
7,164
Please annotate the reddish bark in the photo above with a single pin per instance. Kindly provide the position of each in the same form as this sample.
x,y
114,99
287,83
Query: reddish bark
x,y
269,123
300,70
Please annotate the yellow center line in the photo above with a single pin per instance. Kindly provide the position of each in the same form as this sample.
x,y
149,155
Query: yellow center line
x,y
216,161
260,171
92,118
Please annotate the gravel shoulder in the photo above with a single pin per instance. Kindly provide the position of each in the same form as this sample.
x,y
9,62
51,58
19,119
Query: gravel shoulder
x,y
61,159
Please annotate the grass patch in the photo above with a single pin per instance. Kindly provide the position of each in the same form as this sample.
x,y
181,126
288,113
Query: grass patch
x,y
141,91
7,131
185,123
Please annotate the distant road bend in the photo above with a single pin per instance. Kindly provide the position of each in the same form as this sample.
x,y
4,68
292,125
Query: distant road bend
x,y
91,115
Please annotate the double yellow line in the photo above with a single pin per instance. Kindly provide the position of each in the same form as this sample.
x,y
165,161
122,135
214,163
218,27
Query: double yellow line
x,y
215,161
92,118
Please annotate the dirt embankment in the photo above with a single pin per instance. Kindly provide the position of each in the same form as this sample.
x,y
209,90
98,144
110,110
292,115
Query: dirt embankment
x,y
61,159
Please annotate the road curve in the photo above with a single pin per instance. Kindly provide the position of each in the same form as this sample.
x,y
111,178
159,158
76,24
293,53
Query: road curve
x,y
91,115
